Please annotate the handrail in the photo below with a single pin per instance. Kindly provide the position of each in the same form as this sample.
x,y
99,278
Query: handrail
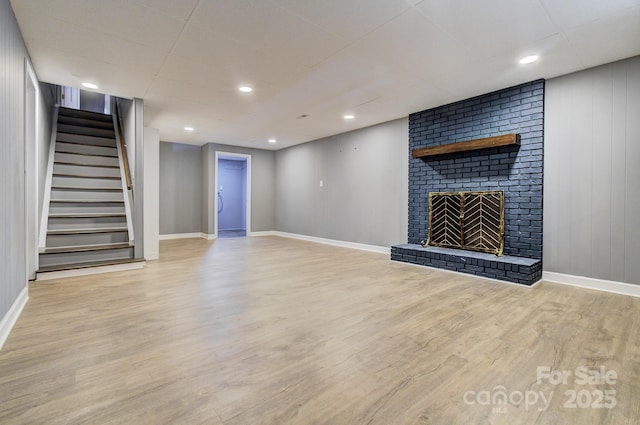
x,y
123,146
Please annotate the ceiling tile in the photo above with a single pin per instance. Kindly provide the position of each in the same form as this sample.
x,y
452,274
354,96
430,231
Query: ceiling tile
x,y
571,13
410,43
120,18
65,68
607,39
347,19
98,47
268,28
177,9
380,59
231,59
556,58
490,27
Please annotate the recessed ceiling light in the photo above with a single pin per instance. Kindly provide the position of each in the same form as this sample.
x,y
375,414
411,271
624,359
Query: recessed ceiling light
x,y
272,140
528,59
349,117
188,129
245,89
90,85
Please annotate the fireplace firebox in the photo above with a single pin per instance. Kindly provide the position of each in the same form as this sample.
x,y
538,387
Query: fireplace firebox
x,y
467,220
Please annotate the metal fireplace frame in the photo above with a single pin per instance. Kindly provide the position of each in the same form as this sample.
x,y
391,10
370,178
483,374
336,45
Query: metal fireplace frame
x,y
465,215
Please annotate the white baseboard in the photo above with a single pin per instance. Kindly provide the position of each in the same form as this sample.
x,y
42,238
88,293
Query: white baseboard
x,y
208,237
264,233
590,283
180,236
7,322
89,271
332,242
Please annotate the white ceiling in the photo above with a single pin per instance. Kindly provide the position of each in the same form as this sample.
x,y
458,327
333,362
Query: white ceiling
x,y
377,59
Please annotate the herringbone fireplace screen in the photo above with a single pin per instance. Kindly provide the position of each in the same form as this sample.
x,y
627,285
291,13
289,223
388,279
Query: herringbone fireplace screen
x,y
467,220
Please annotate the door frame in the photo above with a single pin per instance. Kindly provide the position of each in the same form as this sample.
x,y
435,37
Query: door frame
x,y
31,174
229,155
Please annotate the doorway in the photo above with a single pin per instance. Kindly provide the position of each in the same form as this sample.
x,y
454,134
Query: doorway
x,y
31,172
232,200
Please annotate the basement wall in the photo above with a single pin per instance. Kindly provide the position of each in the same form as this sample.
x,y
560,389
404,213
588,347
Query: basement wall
x,y
592,173
363,194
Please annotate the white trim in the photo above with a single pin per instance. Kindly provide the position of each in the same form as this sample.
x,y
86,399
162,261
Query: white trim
x,y
187,236
263,233
90,270
44,217
31,169
180,236
591,283
218,155
123,180
333,242
10,319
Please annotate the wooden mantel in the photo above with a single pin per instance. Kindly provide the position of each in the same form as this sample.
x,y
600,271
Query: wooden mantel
x,y
468,145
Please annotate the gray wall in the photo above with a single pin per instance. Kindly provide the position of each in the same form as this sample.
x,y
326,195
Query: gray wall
x,y
180,188
364,194
47,103
13,269
263,186
187,187
592,173
128,111
232,179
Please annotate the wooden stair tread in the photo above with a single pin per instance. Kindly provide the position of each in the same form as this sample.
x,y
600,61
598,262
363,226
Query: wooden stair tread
x,y
62,267
79,142
89,122
85,248
78,113
82,188
101,155
87,231
85,215
87,201
80,176
81,130
75,164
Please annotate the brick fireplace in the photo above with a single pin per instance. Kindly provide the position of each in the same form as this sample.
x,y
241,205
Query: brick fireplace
x,y
516,170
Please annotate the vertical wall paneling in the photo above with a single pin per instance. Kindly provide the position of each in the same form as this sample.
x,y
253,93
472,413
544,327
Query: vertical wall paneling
x,y
207,224
151,193
618,172
138,177
632,225
12,190
180,188
592,148
601,164
581,158
350,187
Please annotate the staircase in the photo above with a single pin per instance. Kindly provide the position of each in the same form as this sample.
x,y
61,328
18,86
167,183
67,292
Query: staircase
x,y
87,216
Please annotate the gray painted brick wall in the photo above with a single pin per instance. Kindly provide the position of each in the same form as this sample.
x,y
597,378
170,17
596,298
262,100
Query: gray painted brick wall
x,y
515,170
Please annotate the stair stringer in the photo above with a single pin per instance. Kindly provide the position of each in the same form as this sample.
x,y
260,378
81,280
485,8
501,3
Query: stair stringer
x,y
44,217
123,180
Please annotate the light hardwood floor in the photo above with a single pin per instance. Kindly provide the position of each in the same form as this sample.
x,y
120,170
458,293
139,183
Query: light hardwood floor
x,y
276,331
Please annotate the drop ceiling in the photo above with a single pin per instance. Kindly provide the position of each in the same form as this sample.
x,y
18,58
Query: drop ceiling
x,y
377,59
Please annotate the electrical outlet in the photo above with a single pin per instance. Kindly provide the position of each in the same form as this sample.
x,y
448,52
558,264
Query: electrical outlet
x,y
321,183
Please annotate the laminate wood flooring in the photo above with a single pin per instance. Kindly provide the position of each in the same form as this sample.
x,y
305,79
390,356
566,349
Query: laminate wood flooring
x,y
266,330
